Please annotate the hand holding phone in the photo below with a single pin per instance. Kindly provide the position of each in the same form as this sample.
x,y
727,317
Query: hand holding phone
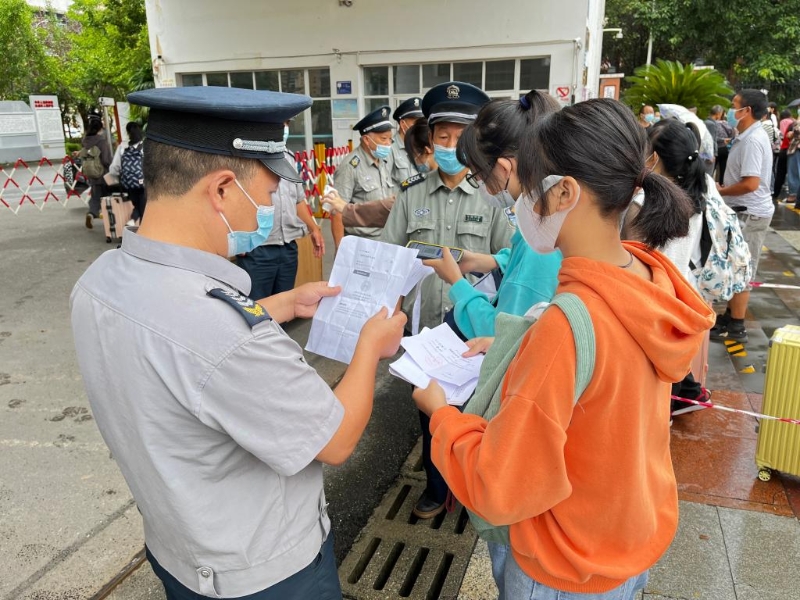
x,y
428,251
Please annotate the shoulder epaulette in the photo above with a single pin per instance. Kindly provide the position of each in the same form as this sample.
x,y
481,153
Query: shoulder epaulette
x,y
355,161
251,310
412,181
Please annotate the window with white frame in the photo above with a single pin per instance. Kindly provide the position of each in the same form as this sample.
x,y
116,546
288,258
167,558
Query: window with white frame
x,y
503,78
312,126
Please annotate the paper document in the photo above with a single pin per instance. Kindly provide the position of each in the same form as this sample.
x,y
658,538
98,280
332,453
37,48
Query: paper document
x,y
437,354
372,274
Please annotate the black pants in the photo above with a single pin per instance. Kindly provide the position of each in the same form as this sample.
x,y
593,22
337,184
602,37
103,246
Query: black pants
x,y
688,388
139,199
436,485
780,173
98,190
722,162
272,269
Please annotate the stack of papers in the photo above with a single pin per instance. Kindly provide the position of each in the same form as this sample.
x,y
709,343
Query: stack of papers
x,y
372,275
437,354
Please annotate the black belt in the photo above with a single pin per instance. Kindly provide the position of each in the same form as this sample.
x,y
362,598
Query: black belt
x,y
738,208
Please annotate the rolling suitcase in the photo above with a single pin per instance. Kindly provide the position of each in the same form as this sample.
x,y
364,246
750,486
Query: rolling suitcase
x,y
116,211
778,442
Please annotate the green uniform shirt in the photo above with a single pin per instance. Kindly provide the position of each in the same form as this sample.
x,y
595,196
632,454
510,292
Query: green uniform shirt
x,y
402,168
359,179
429,211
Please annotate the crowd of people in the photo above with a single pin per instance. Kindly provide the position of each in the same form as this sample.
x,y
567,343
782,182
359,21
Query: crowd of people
x,y
221,428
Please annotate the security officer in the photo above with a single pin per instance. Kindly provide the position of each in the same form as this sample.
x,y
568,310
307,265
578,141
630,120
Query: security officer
x,y
406,114
444,209
217,423
365,173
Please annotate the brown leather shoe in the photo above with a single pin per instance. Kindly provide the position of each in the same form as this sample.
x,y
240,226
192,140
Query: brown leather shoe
x,y
426,507
89,218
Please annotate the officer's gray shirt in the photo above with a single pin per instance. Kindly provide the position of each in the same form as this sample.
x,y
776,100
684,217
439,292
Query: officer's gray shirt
x,y
287,226
360,179
751,156
431,212
402,168
215,425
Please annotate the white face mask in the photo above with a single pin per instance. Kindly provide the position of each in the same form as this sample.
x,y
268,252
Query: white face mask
x,y
502,199
539,232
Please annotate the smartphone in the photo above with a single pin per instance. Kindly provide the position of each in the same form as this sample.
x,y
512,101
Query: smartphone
x,y
429,251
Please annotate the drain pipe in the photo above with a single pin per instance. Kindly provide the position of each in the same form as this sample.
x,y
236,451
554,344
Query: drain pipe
x,y
577,45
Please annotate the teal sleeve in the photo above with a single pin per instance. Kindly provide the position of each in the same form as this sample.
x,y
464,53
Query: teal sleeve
x,y
473,312
502,258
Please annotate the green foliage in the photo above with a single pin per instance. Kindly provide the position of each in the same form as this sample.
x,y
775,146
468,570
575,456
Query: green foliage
x,y
141,80
759,39
668,82
22,68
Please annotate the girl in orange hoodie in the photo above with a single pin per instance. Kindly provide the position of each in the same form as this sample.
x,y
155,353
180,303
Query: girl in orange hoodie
x,y
588,492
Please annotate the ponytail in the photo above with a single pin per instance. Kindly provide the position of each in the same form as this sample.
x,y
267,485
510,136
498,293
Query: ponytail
x,y
665,213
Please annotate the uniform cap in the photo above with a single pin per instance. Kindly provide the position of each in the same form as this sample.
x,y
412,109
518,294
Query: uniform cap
x,y
224,121
377,121
408,109
453,102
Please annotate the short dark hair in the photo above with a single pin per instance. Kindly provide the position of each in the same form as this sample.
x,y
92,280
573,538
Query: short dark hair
x,y
173,171
134,132
600,144
498,131
417,139
95,125
756,100
786,114
678,145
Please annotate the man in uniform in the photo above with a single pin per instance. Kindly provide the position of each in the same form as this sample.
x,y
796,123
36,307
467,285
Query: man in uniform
x,y
444,209
272,266
406,114
218,425
365,173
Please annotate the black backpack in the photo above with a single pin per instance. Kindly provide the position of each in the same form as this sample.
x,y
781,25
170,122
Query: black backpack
x,y
131,175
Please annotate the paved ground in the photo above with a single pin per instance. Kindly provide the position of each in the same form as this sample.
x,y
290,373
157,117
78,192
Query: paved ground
x,y
68,526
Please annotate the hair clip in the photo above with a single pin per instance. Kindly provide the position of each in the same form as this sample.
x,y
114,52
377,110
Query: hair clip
x,y
524,103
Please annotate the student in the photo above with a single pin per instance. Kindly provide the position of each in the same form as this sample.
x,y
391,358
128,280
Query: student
x,y
589,493
489,147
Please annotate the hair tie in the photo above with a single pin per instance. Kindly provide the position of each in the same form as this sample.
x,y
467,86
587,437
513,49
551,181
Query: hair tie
x,y
524,103
693,156
642,176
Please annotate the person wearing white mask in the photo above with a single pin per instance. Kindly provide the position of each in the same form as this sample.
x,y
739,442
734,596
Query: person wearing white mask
x,y
489,147
586,489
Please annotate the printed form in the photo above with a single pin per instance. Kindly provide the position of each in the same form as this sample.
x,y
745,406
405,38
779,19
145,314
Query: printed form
x,y
372,274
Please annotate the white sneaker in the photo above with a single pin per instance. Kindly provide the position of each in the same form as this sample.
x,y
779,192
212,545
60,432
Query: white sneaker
x,y
130,223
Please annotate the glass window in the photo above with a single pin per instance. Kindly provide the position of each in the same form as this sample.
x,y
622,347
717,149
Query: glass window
x,y
319,82
435,74
500,75
376,81
374,103
406,79
297,133
292,82
217,79
534,74
468,73
267,80
321,124
242,80
191,79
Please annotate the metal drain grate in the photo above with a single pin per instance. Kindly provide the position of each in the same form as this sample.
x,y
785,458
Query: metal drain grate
x,y
398,555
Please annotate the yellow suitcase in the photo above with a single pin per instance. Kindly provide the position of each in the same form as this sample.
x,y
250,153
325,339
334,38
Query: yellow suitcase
x,y
778,442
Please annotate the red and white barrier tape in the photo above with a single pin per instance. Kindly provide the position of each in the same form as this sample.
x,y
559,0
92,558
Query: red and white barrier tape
x,y
737,410
775,286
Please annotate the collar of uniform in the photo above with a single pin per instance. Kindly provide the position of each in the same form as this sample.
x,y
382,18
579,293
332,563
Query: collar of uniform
x,y
747,132
435,182
188,259
365,156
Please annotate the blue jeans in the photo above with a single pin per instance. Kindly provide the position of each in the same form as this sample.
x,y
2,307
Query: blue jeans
x,y
518,586
319,580
272,269
499,554
793,172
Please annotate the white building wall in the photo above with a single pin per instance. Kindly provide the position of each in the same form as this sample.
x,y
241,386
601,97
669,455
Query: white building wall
x,y
204,36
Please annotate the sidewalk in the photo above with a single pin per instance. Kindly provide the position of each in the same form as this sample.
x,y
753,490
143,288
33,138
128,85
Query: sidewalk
x,y
738,537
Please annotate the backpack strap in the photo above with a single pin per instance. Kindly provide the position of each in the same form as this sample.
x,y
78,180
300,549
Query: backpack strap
x,y
583,334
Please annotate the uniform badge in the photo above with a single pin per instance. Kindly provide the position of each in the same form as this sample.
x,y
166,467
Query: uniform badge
x,y
412,181
511,216
453,92
416,102
421,212
473,218
355,161
384,112
251,310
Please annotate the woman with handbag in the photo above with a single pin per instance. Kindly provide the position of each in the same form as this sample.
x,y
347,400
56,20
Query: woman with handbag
x,y
586,490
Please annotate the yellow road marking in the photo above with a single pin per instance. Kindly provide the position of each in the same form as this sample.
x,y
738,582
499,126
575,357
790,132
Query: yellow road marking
x,y
788,274
734,349
748,369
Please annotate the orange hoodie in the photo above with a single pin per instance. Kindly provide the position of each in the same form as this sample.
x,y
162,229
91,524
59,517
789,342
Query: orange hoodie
x,y
589,494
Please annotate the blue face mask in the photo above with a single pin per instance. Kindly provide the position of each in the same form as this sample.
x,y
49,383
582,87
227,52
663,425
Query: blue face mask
x,y
242,242
650,118
732,120
446,159
423,168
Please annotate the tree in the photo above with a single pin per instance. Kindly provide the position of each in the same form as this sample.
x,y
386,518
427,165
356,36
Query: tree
x,y
760,39
23,63
669,82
